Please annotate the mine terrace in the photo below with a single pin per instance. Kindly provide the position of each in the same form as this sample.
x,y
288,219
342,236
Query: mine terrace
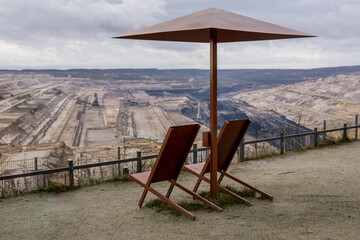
x,y
96,108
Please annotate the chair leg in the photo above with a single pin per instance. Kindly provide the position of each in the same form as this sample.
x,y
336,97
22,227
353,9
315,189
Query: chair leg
x,y
197,196
143,197
221,177
249,186
233,194
171,203
197,185
170,189
227,191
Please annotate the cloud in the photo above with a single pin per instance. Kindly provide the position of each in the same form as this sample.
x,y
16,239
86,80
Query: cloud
x,y
31,21
77,33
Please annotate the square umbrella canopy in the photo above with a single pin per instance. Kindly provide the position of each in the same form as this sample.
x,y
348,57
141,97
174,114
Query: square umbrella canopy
x,y
213,26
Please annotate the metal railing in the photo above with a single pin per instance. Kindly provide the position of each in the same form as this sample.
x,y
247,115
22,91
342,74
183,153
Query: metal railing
x,y
29,164
196,155
315,133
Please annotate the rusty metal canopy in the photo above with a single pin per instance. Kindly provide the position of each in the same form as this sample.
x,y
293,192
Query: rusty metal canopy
x,y
230,27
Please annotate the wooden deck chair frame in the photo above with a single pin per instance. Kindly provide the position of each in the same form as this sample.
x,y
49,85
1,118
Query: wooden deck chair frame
x,y
228,142
168,165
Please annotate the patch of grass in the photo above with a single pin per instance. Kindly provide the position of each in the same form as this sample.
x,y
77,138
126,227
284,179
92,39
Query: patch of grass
x,y
331,142
51,188
160,206
93,182
55,188
59,188
266,155
304,149
17,193
223,200
125,177
328,142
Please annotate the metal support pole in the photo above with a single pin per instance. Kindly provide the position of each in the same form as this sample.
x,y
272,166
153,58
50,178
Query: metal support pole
x,y
324,128
281,142
315,137
213,113
345,131
286,141
138,165
356,123
118,158
195,153
242,150
36,163
71,172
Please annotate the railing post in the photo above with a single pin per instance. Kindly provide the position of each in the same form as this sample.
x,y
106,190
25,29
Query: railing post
x,y
238,153
315,137
118,158
356,129
281,142
36,163
195,153
71,172
138,161
345,131
242,150
324,128
126,171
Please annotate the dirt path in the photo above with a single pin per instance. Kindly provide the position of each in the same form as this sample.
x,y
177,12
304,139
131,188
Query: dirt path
x,y
317,196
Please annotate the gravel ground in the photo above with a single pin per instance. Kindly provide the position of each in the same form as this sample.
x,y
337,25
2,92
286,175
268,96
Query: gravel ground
x,y
316,192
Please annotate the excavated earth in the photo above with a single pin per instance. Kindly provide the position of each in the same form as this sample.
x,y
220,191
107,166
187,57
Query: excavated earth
x,y
316,196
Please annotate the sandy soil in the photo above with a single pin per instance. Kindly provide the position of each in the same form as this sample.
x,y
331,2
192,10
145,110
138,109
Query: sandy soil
x,y
316,197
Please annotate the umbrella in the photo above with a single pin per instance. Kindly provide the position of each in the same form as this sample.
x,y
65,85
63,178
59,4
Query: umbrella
x,y
213,26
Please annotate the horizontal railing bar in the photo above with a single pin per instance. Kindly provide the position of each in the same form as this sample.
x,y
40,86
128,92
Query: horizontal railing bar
x,y
148,157
203,149
28,174
99,164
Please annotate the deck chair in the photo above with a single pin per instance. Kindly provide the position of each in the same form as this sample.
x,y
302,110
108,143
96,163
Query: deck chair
x,y
228,141
168,165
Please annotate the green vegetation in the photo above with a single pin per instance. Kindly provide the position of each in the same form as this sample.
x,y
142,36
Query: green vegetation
x,y
331,142
55,188
50,188
93,182
327,143
161,206
265,155
223,200
321,144
59,188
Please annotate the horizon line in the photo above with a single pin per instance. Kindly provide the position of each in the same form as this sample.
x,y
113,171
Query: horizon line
x,y
170,69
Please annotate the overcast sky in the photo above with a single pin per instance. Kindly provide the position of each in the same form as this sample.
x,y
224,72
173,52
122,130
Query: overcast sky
x,y
77,34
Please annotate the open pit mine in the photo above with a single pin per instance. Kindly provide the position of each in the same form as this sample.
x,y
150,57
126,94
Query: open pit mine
x,y
92,111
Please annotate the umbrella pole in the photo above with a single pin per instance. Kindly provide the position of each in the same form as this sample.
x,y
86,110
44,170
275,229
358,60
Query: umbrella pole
x,y
213,113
